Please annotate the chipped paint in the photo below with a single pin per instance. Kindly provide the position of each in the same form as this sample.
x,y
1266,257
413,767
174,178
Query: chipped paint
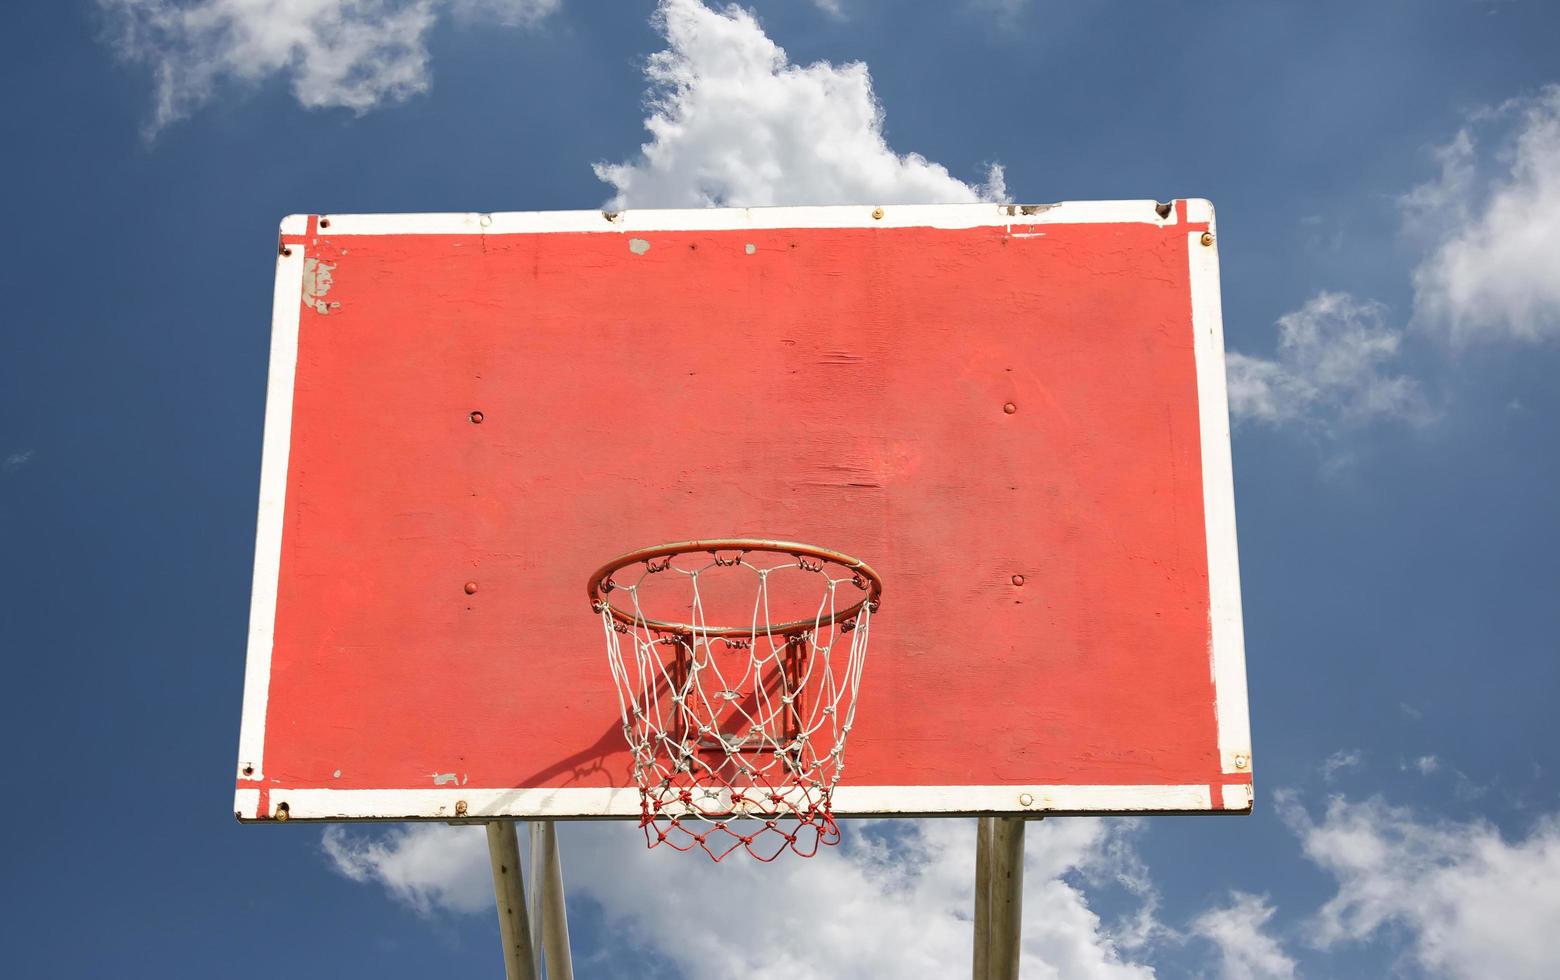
x,y
317,280
750,248
444,778
638,246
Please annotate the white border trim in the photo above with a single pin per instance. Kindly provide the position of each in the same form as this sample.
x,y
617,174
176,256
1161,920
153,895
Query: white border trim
x,y
287,305
623,803
729,219
1228,649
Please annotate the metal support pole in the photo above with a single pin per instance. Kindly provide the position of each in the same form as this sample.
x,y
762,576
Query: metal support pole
x,y
982,899
509,890
999,897
547,904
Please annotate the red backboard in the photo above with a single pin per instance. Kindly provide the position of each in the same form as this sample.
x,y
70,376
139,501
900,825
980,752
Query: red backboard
x,y
1017,415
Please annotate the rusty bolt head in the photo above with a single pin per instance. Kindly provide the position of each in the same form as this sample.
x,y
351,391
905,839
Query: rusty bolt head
x,y
471,588
281,812
284,250
1018,580
249,770
324,222
476,418
1207,238
1241,762
460,808
1010,408
877,214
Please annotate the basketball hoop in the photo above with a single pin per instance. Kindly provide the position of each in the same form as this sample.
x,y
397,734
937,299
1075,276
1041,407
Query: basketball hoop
x,y
737,730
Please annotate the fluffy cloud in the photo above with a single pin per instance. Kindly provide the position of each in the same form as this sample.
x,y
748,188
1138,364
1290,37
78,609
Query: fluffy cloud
x,y
1246,951
733,122
353,54
1493,218
1330,369
1467,902
426,866
895,900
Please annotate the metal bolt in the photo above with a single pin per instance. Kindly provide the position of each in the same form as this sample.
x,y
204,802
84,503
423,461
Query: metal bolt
x,y
471,588
460,808
1241,762
1026,799
281,812
284,250
1010,408
476,418
324,222
1207,238
249,770
877,214
1018,580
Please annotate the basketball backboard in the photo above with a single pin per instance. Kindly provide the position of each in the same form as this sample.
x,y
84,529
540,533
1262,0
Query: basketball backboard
x,y
1016,415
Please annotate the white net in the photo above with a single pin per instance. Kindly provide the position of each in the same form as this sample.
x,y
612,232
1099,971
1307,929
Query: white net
x,y
737,732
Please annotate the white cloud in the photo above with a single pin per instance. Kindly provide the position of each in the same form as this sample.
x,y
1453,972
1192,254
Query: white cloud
x,y
426,866
353,54
733,122
830,7
1426,764
16,461
512,13
1330,370
1246,951
1493,217
1341,760
895,900
1466,902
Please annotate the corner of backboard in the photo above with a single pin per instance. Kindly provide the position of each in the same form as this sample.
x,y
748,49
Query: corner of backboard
x,y
1199,210
295,224
246,805
1237,798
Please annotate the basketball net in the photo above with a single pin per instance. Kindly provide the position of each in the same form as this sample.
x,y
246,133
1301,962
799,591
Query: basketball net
x,y
738,735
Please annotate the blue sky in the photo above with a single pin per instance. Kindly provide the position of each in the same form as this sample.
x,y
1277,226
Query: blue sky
x,y
1387,175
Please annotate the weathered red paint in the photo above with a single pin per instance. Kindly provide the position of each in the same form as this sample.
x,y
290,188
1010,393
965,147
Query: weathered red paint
x,y
965,410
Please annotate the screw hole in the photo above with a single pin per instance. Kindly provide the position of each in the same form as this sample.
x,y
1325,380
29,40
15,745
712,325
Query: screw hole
x,y
476,418
1163,210
324,222
249,770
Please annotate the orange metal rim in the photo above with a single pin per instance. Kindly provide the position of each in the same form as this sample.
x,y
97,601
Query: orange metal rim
x,y
597,589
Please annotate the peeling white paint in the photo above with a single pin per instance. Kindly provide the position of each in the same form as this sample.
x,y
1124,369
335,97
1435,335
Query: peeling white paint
x,y
317,281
